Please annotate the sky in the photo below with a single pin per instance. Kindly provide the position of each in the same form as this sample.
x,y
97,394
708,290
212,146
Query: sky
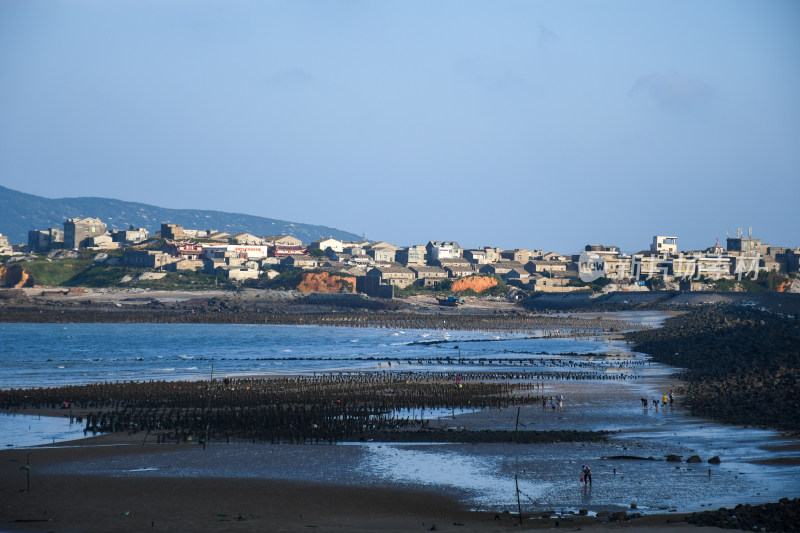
x,y
516,124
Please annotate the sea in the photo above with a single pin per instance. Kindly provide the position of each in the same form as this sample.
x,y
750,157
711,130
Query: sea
x,y
757,465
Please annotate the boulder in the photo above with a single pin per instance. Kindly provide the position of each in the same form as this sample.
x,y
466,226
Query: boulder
x,y
714,460
694,459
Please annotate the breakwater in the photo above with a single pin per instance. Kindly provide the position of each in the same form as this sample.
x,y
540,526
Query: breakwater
x,y
742,365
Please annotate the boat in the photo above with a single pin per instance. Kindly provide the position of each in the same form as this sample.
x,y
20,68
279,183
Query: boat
x,y
450,301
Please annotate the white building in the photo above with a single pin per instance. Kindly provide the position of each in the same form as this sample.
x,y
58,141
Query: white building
x,y
664,244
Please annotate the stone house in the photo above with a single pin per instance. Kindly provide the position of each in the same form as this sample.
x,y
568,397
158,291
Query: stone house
x,y
501,268
183,265
146,258
428,276
518,256
299,261
246,238
44,241
428,272
325,244
476,257
129,236
459,270
240,273
412,255
282,240
539,265
442,250
552,256
515,273
78,231
392,275
172,231
543,284
382,252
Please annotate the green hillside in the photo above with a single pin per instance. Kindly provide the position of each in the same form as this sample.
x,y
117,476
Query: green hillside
x,y
21,212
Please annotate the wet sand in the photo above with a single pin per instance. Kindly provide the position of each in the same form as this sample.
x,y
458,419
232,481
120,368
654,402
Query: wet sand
x,y
115,482
92,503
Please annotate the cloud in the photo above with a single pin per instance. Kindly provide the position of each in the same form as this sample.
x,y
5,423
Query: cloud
x,y
674,91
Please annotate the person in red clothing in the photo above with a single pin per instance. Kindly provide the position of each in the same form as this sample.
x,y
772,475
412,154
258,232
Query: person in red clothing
x,y
587,475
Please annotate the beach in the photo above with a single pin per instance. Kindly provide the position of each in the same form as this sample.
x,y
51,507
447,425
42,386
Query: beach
x,y
458,466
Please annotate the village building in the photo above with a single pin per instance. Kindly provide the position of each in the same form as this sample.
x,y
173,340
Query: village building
x,y
146,258
515,274
282,240
740,245
412,255
5,247
130,236
79,231
664,244
172,231
392,275
459,270
476,257
184,250
428,276
184,265
327,244
246,238
518,256
240,250
442,250
44,241
299,261
501,268
540,265
382,252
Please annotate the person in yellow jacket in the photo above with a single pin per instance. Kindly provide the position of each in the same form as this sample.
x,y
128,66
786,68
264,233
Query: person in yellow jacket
x,y
664,402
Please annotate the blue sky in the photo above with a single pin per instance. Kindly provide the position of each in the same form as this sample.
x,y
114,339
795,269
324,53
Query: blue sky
x,y
523,124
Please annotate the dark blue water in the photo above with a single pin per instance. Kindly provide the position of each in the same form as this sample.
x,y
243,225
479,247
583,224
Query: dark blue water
x,y
56,354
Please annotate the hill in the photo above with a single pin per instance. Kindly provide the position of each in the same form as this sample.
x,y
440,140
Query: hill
x,y
21,212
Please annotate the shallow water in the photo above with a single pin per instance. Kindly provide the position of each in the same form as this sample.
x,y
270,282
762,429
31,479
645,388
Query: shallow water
x,y
37,355
481,475
25,430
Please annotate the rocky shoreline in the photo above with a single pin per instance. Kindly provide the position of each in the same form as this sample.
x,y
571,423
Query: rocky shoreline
x,y
742,364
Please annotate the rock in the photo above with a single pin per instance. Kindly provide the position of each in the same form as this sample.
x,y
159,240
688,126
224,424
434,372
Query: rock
x,y
620,515
326,283
14,277
714,460
633,506
694,459
100,258
583,512
476,283
672,458
63,254
149,276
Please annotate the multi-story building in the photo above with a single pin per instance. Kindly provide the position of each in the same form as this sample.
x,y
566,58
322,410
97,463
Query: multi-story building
x,y
44,241
442,250
79,231
412,255
664,244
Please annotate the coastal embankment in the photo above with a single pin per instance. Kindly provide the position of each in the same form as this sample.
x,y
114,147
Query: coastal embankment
x,y
742,364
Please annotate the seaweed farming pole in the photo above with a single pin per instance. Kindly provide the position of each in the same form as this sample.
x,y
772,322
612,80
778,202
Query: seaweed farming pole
x,y
519,505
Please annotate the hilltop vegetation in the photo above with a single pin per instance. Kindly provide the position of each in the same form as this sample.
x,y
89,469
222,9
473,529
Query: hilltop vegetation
x,y
21,212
